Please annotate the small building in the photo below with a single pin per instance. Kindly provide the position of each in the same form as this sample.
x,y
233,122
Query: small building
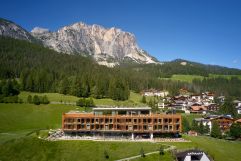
x,y
212,107
239,110
192,155
192,133
196,97
221,99
198,109
153,92
238,121
208,95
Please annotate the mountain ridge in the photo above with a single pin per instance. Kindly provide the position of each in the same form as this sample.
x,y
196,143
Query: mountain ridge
x,y
108,46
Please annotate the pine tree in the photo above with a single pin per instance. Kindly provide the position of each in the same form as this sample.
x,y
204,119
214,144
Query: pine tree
x,y
235,130
201,128
143,100
36,100
216,131
142,153
228,108
206,129
195,126
185,124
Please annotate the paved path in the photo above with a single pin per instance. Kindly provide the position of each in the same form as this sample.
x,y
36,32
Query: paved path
x,y
150,153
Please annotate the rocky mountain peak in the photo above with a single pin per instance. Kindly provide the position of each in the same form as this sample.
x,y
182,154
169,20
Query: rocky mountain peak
x,y
106,45
10,29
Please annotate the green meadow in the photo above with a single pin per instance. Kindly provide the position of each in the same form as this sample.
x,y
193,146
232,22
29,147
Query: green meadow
x,y
190,78
134,99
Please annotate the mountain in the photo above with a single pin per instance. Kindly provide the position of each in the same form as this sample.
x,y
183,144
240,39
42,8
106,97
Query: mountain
x,y
108,46
11,29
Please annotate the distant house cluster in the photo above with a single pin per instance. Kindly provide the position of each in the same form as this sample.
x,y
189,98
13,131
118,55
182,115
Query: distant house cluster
x,y
154,92
192,103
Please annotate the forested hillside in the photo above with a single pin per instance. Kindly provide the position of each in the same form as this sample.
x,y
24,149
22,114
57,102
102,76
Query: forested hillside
x,y
40,69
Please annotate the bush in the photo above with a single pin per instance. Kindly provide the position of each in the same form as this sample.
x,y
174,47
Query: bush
x,y
10,99
83,102
106,155
45,100
36,100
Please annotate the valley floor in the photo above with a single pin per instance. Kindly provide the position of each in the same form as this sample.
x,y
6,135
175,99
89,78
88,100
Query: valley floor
x,y
19,132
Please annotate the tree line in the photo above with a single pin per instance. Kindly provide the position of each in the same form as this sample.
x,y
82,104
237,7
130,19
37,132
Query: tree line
x,y
40,69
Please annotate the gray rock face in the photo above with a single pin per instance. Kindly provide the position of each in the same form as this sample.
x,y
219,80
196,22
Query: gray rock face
x,y
107,46
10,29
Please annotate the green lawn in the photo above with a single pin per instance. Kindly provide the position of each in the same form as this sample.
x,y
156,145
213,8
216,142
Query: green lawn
x,y
30,148
18,120
27,117
220,150
134,99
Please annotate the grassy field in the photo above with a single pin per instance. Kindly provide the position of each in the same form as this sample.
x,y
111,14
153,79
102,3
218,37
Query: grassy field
x,y
190,78
186,78
156,157
27,117
134,99
18,120
224,76
220,150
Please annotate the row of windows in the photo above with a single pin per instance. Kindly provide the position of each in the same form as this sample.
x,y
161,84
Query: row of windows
x,y
107,120
124,128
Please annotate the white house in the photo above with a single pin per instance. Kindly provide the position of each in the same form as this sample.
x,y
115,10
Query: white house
x,y
239,110
153,92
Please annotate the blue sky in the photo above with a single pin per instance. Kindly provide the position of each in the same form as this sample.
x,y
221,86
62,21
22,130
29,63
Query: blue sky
x,y
206,31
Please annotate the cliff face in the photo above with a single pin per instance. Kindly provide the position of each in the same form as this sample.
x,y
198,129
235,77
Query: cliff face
x,y
107,46
10,29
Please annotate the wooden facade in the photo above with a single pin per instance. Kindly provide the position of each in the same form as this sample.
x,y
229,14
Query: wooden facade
x,y
150,123
224,122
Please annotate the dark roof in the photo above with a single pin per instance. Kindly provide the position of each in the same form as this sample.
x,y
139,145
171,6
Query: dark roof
x,y
195,155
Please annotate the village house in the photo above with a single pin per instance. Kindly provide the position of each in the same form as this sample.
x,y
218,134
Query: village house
x,y
196,97
192,133
198,109
208,95
237,104
224,121
212,107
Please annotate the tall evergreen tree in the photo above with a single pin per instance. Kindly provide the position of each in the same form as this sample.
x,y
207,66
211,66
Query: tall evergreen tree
x,y
216,131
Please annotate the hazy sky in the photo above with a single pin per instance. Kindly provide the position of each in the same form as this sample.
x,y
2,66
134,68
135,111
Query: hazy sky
x,y
206,31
